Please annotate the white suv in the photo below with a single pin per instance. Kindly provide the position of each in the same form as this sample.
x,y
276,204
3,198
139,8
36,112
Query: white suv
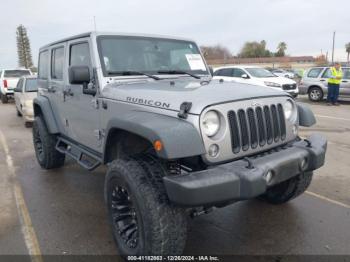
x,y
256,76
8,81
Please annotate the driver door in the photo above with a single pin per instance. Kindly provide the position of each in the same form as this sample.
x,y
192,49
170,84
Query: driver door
x,y
81,111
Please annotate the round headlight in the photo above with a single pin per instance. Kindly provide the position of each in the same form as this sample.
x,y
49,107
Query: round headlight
x,y
211,123
288,109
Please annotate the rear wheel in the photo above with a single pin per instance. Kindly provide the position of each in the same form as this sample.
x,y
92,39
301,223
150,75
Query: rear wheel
x,y
288,190
315,94
4,99
44,145
143,221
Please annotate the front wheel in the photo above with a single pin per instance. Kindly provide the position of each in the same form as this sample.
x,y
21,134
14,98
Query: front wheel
x,y
45,146
288,190
143,221
315,94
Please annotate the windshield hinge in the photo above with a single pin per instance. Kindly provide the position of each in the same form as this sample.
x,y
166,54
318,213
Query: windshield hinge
x,y
184,109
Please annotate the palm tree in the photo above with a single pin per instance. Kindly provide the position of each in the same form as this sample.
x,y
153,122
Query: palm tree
x,y
347,48
281,49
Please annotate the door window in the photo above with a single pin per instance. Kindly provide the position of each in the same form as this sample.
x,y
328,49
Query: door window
x,y
43,65
80,55
314,73
57,59
225,72
19,86
238,72
346,73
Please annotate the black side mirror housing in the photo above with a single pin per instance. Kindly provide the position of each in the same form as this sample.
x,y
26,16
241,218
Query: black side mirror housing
x,y
80,75
245,76
17,90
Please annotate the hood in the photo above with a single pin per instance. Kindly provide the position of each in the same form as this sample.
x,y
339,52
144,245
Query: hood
x,y
170,94
279,80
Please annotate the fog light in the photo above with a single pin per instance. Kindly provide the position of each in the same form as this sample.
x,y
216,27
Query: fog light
x,y
213,150
295,130
269,176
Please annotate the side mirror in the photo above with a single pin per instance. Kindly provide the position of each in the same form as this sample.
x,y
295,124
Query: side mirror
x,y
245,76
80,75
211,70
17,90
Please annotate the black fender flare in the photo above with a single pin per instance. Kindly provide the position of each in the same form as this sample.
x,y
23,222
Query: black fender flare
x,y
42,104
306,116
180,138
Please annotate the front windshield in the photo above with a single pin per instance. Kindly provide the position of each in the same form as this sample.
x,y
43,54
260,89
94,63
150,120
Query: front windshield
x,y
148,55
31,85
260,72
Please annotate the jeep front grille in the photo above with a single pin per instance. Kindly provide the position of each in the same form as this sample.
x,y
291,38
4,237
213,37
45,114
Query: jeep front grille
x,y
257,126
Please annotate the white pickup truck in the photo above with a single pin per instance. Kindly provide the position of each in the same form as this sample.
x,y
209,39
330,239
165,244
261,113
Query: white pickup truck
x,y
8,81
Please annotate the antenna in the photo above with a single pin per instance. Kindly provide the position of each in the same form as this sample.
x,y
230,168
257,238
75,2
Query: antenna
x,y
95,23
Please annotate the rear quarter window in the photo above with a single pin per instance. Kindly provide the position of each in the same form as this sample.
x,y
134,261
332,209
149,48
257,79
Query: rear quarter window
x,y
314,72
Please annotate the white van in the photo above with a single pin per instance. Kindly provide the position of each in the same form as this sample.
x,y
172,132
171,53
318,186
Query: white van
x,y
256,76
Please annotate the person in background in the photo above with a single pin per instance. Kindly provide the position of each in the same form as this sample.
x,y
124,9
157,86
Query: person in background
x,y
333,84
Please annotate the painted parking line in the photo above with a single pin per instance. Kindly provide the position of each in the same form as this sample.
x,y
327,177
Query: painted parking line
x,y
327,199
27,228
332,117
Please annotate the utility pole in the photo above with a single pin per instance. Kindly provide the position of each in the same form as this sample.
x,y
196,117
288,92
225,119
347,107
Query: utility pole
x,y
333,48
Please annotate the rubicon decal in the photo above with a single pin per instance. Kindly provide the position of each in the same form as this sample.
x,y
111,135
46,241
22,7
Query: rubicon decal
x,y
147,102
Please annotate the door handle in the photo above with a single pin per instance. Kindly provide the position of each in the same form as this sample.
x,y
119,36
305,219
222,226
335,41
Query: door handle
x,y
344,81
68,92
51,89
322,80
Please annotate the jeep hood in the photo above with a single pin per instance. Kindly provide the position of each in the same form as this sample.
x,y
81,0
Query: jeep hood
x,y
170,94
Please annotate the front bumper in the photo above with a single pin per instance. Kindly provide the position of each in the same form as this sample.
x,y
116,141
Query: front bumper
x,y
236,181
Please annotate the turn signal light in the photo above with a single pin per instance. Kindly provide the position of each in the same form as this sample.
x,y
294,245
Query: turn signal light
x,y
158,145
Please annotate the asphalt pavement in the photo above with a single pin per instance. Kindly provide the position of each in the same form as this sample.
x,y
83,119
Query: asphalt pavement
x,y
62,212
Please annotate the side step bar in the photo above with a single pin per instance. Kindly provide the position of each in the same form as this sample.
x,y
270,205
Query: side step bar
x,y
84,157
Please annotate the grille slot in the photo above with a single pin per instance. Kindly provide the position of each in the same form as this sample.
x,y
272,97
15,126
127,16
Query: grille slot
x,y
256,127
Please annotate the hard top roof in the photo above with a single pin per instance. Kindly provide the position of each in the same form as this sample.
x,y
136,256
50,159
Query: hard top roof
x,y
96,34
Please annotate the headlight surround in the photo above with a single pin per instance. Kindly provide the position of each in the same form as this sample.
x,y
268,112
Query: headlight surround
x,y
272,84
211,123
289,109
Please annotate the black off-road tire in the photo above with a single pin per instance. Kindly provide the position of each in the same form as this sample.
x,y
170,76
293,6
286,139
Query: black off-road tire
x,y
4,99
161,227
288,190
44,145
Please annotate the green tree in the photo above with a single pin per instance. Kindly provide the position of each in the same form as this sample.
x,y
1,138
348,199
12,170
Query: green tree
x,y
254,49
281,49
347,48
23,48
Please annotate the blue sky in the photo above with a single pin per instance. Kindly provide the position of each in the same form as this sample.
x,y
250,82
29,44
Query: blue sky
x,y
306,26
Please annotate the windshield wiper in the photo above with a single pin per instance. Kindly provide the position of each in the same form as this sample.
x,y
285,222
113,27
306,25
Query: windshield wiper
x,y
178,72
131,73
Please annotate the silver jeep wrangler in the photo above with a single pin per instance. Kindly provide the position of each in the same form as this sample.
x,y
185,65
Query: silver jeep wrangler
x,y
176,142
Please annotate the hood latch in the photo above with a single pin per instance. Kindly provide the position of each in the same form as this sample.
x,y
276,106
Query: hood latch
x,y
184,109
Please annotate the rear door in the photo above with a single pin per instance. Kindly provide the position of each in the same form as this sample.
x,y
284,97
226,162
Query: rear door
x,y
345,83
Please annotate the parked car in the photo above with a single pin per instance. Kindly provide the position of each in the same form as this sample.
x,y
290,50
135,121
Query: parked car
x,y
314,83
283,73
25,91
8,81
256,76
175,141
